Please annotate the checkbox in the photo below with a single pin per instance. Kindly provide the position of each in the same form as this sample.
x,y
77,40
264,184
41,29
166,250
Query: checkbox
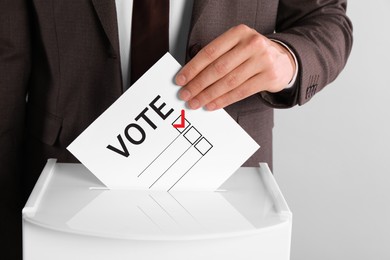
x,y
178,121
203,146
192,135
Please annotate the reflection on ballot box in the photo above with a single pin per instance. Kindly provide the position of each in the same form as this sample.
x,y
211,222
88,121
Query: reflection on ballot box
x,y
159,213
71,215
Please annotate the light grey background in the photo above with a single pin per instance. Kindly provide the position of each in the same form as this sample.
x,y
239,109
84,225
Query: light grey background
x,y
332,158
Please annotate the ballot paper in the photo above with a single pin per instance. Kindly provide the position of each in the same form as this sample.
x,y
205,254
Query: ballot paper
x,y
149,140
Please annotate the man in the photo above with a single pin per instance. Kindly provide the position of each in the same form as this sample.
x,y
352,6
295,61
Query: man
x,y
64,58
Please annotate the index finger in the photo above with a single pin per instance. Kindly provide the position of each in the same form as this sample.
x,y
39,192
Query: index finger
x,y
207,55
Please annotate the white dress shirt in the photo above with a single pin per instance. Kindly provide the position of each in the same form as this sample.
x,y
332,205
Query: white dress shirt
x,y
180,12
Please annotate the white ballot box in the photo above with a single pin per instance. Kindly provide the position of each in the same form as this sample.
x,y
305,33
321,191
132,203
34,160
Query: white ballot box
x,y
71,215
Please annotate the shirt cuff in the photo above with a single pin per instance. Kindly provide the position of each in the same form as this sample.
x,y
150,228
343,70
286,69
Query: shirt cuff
x,y
294,78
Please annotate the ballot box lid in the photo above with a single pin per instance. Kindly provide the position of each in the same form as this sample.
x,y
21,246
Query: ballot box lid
x,y
69,198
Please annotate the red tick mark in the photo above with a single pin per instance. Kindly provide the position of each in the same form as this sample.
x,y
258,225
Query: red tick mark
x,y
182,122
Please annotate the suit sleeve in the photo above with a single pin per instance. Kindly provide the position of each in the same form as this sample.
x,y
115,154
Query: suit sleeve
x,y
14,74
320,35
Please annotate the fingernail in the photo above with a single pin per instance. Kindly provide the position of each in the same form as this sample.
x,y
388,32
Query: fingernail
x,y
194,104
185,94
211,106
180,80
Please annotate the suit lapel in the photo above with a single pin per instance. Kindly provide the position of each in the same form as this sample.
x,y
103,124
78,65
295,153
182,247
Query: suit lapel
x,y
197,10
106,11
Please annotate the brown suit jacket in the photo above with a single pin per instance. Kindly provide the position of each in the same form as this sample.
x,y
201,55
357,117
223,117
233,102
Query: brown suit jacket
x,y
64,55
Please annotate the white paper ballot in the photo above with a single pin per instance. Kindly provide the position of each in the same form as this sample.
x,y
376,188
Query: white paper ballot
x,y
148,139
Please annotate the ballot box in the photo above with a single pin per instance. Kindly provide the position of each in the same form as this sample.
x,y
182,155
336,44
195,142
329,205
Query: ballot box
x,y
71,215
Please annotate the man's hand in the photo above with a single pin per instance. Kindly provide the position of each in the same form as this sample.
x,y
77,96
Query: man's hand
x,y
236,65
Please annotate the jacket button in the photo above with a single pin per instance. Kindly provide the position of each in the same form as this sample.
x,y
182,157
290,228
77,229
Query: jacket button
x,y
194,49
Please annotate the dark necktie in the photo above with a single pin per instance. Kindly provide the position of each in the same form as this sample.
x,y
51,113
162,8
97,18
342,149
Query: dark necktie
x,y
149,35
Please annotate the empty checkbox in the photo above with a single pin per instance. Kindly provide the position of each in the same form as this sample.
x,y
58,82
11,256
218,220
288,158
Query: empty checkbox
x,y
203,146
192,135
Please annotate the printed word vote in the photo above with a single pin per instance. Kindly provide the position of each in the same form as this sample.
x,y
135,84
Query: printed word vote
x,y
134,132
